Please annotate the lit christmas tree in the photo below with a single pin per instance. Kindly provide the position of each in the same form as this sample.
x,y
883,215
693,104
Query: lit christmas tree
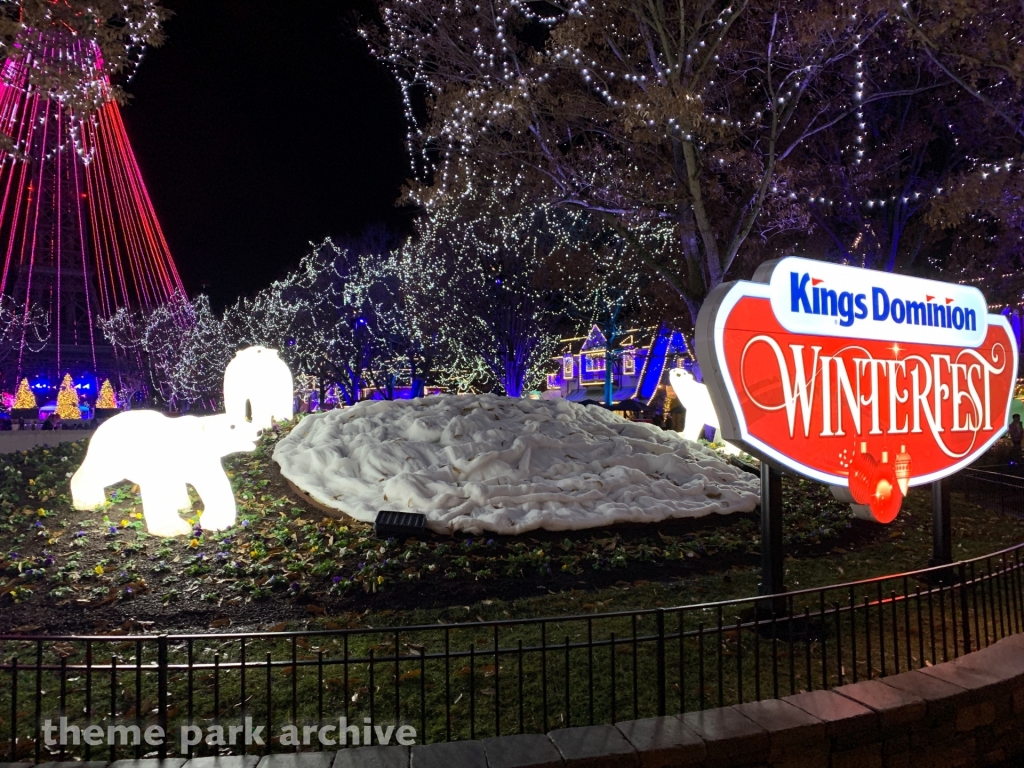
x,y
106,399
24,397
67,400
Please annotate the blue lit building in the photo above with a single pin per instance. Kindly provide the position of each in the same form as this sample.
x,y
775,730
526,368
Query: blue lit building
x,y
641,358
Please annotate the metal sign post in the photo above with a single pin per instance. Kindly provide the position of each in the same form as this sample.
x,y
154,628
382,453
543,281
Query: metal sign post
x,y
942,539
771,532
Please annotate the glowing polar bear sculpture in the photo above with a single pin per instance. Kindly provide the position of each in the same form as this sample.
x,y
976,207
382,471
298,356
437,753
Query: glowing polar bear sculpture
x,y
258,387
699,410
161,455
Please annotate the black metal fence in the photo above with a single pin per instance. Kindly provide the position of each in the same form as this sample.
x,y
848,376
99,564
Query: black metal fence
x,y
461,681
998,491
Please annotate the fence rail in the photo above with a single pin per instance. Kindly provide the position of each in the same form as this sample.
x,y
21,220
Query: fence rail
x,y
997,491
460,681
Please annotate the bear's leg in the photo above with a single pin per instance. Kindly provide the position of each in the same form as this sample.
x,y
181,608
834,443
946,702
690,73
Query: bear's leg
x,y
158,507
183,499
88,485
218,501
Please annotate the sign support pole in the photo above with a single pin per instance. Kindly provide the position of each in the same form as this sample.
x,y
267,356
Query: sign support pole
x,y
942,538
771,531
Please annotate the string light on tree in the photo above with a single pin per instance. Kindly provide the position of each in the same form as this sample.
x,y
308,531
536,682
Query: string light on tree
x,y
704,120
20,324
700,117
183,344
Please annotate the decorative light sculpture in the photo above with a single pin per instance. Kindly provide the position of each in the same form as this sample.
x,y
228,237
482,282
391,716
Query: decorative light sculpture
x,y
161,455
67,400
78,233
699,410
25,397
258,387
106,400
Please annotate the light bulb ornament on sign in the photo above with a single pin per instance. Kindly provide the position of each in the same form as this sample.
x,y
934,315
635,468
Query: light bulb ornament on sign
x,y
860,379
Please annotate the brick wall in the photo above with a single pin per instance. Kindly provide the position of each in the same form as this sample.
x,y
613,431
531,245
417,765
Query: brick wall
x,y
968,712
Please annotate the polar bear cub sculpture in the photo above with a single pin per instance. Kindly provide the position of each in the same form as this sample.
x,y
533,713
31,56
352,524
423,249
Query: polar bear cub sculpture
x,y
161,455
258,387
699,410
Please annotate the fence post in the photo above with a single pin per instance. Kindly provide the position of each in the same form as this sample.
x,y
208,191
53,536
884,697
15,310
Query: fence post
x,y
942,544
14,710
965,620
161,676
660,618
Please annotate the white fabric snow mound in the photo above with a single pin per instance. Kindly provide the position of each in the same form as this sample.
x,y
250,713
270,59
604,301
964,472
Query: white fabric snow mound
x,y
479,463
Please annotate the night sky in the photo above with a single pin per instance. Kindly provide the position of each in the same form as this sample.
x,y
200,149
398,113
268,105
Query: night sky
x,y
261,126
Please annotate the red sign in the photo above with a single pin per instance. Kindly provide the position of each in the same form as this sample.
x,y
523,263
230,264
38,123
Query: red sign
x,y
850,403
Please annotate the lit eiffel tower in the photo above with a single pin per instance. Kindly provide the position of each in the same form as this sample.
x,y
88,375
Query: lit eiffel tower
x,y
78,234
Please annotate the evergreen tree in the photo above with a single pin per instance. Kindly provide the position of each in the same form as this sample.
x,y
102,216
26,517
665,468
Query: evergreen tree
x,y
67,400
24,398
106,399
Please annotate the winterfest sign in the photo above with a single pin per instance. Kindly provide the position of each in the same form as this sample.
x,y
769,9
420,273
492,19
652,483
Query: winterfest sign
x,y
857,378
